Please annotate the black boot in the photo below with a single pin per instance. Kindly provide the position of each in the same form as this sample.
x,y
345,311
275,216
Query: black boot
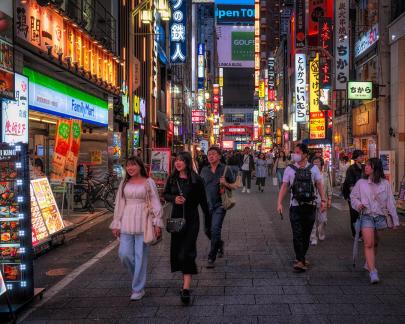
x,y
185,296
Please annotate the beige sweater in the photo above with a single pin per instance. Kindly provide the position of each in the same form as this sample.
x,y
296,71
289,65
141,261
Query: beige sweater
x,y
131,208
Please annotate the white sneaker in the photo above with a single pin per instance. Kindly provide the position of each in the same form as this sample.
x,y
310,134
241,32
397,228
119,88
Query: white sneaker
x,y
374,277
314,242
248,191
244,190
365,267
321,237
137,295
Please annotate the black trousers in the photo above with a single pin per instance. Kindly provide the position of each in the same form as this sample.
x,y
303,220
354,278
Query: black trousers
x,y
302,220
246,177
354,215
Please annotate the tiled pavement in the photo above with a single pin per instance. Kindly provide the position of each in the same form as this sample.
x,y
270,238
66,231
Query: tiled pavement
x,y
253,283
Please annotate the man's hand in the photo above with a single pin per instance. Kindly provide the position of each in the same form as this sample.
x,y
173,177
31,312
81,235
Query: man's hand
x,y
180,200
280,208
116,232
222,181
323,206
329,203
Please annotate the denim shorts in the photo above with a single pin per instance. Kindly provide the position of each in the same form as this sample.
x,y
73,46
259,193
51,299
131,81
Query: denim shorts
x,y
377,222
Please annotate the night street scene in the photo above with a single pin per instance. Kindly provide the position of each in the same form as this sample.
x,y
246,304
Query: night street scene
x,y
202,161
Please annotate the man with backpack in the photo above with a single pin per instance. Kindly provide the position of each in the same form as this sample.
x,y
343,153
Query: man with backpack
x,y
304,180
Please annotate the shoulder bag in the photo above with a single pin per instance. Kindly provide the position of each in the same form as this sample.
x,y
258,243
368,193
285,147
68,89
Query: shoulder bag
x,y
149,236
228,201
177,225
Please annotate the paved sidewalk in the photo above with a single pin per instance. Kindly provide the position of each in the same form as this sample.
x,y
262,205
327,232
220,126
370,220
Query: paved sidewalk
x,y
253,283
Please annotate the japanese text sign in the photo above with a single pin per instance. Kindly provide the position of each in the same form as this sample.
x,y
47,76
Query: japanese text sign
x,y
300,29
300,87
15,113
342,44
360,90
271,79
178,37
366,41
317,129
314,84
326,42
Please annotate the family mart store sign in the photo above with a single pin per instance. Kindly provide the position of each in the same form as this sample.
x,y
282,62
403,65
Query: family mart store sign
x,y
53,97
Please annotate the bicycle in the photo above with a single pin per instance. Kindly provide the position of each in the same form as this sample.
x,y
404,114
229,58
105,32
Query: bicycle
x,y
91,190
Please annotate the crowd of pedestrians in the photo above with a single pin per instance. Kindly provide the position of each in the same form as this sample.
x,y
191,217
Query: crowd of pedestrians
x,y
207,182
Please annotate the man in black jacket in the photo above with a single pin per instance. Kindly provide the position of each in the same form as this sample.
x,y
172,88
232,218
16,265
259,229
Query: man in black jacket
x,y
353,174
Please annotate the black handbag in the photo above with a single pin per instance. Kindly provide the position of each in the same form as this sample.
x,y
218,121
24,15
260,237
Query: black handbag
x,y
177,225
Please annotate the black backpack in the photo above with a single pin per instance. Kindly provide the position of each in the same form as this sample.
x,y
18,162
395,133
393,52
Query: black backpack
x,y
303,189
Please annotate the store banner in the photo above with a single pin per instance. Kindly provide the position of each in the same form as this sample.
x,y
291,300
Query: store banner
x,y
236,46
342,47
326,42
314,84
6,51
317,129
73,153
178,31
234,14
53,97
301,103
61,149
300,26
316,11
15,113
261,89
160,165
271,79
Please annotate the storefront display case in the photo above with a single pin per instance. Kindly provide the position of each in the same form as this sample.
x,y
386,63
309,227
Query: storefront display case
x,y
15,225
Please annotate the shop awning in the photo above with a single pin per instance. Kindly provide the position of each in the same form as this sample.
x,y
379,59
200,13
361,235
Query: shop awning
x,y
162,120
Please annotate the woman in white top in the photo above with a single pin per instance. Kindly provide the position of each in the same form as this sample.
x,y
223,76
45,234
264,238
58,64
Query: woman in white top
x,y
135,193
372,197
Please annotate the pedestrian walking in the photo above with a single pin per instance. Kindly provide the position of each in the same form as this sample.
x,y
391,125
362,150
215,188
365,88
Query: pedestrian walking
x,y
353,174
247,167
280,165
233,162
321,218
216,176
302,178
137,198
261,171
372,197
270,163
185,189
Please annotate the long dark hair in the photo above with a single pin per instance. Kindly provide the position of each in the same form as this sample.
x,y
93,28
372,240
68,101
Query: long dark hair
x,y
378,170
138,161
188,161
284,155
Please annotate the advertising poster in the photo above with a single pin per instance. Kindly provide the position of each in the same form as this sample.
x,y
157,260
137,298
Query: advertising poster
x,y
388,161
6,54
160,165
62,145
73,152
116,148
15,113
237,46
317,129
96,157
47,205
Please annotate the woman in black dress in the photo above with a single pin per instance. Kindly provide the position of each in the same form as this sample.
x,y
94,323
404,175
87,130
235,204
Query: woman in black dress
x,y
185,189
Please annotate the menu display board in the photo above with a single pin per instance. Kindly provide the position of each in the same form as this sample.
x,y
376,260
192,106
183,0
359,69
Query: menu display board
x,y
47,205
15,224
39,231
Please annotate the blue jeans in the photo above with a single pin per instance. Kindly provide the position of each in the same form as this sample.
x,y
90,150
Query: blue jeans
x,y
235,170
217,219
280,174
134,256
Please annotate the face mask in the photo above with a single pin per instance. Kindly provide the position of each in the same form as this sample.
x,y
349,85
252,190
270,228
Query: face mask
x,y
296,157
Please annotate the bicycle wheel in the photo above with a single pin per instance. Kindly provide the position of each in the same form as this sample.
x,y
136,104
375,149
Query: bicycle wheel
x,y
109,199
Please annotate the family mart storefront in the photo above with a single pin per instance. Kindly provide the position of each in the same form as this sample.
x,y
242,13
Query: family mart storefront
x,y
49,101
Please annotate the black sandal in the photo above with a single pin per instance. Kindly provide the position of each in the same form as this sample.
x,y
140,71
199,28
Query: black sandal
x,y
185,296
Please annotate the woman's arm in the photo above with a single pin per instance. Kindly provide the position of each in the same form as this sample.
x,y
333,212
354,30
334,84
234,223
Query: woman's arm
x,y
355,197
118,208
391,206
167,194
